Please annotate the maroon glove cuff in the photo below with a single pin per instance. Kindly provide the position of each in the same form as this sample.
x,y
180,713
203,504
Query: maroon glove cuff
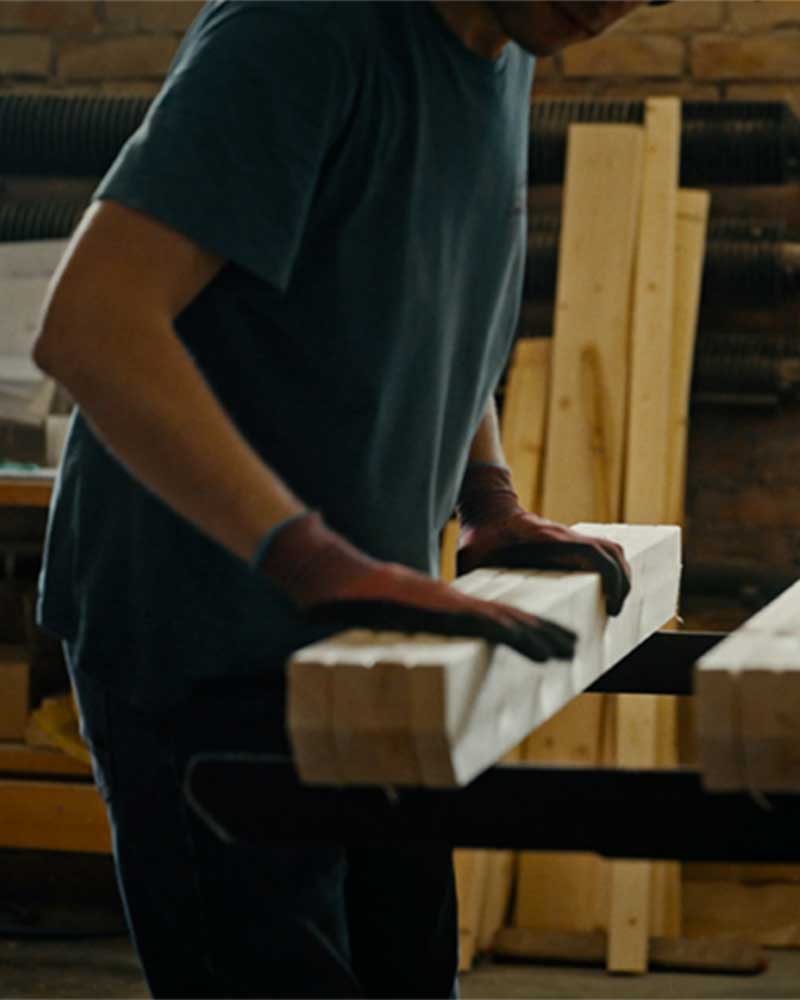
x,y
487,496
310,562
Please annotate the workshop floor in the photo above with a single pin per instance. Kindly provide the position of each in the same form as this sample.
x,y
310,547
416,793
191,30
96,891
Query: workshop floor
x,y
107,968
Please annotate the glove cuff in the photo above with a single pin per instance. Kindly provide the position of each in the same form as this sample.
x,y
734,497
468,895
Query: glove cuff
x,y
487,495
309,561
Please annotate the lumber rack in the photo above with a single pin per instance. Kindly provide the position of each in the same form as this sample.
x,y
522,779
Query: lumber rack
x,y
255,800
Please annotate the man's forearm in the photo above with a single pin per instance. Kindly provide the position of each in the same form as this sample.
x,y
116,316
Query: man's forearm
x,y
486,445
143,395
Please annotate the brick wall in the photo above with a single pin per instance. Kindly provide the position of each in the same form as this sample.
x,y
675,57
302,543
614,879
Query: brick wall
x,y
90,46
698,49
705,49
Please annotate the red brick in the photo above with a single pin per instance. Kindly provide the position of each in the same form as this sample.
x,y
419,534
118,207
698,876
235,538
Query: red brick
x,y
547,69
175,16
687,90
120,15
129,88
730,57
138,57
622,88
25,55
761,14
677,18
25,87
626,55
765,92
545,89
150,15
47,15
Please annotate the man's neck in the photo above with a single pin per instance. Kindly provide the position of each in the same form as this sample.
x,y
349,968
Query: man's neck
x,y
474,24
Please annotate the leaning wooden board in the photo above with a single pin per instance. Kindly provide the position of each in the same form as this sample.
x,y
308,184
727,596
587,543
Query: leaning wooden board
x,y
582,472
646,488
747,702
387,708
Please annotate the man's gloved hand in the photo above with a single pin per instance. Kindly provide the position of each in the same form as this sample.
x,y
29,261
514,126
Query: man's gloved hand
x,y
335,583
497,531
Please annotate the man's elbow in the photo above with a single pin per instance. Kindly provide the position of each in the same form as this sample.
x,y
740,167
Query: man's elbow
x,y
42,353
49,347
60,348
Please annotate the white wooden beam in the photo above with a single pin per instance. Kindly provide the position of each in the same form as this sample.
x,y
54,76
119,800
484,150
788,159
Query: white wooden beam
x,y
387,708
747,699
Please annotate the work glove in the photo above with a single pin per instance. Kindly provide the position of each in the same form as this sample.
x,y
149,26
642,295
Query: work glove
x,y
497,531
334,583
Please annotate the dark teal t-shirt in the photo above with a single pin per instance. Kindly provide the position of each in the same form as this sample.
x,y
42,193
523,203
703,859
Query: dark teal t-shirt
x,y
364,175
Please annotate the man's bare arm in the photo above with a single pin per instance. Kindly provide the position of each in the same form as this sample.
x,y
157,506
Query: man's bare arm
x,y
108,335
486,445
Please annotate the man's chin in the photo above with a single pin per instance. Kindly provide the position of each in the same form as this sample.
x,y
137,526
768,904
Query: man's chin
x,y
539,28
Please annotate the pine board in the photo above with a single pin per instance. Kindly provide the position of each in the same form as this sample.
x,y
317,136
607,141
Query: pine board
x,y
466,703
690,246
53,816
524,412
646,486
585,453
596,259
747,699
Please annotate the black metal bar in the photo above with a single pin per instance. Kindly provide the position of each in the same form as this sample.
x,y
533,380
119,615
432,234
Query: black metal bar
x,y
257,801
662,664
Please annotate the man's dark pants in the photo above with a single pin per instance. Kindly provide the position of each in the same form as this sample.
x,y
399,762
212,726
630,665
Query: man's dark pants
x,y
211,920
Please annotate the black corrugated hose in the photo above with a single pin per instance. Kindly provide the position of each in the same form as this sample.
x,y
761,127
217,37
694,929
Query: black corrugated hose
x,y
723,142
50,135
748,262
731,142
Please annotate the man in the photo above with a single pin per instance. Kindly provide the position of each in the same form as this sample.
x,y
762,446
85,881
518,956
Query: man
x,y
283,319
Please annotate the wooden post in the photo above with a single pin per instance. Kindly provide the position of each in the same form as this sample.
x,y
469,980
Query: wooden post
x,y
646,477
690,249
596,257
647,457
666,910
584,454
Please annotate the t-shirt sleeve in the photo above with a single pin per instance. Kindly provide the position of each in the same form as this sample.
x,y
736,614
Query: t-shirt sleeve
x,y
231,150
